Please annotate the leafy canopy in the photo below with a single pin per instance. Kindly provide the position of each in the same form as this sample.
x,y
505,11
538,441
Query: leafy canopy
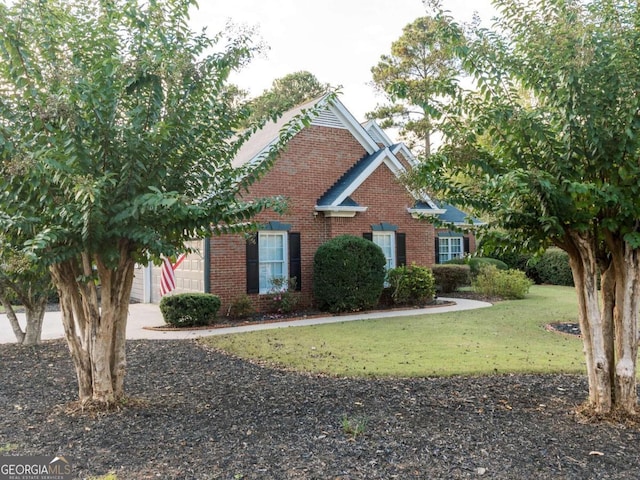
x,y
549,140
117,129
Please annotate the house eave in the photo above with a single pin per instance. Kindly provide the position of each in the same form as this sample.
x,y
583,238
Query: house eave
x,y
345,212
422,213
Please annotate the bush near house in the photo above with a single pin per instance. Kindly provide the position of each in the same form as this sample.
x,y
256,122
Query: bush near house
x,y
413,285
508,284
450,277
348,274
553,268
190,309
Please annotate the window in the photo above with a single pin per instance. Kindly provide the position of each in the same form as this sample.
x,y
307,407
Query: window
x,y
272,254
386,241
449,248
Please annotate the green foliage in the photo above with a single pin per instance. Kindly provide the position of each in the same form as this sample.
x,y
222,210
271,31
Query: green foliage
x,y
450,277
189,309
282,296
117,129
285,93
517,261
241,307
354,426
416,77
348,274
553,268
546,144
476,264
413,285
508,284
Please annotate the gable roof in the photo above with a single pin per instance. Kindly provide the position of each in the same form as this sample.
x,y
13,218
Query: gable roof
x,y
378,147
455,216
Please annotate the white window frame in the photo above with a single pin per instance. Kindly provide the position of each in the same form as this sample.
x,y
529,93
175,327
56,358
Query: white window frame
x,y
263,263
377,237
446,248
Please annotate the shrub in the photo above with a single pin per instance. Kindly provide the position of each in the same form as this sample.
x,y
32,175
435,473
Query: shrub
x,y
412,285
189,309
241,307
553,268
476,264
510,284
348,274
448,278
282,296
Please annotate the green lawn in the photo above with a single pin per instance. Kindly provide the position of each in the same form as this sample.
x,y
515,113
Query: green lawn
x,y
508,337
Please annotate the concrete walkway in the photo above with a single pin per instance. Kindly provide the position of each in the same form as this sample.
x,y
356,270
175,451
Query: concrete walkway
x,y
143,315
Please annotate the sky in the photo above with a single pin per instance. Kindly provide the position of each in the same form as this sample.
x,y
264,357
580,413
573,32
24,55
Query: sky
x,y
336,40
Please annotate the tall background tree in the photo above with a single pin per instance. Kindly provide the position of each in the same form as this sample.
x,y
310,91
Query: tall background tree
x,y
117,122
417,77
285,93
560,165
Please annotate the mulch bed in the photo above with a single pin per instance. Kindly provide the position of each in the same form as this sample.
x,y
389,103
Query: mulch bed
x,y
199,414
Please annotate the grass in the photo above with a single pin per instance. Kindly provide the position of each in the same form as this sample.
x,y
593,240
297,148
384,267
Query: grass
x,y
506,338
7,447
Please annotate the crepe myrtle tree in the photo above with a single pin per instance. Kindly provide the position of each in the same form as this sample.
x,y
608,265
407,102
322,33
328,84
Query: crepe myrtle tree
x,y
114,118
25,282
560,164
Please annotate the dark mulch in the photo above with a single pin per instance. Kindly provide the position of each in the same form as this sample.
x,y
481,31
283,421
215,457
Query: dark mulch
x,y
199,414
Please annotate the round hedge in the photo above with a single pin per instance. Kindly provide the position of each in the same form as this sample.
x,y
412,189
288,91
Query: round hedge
x,y
348,274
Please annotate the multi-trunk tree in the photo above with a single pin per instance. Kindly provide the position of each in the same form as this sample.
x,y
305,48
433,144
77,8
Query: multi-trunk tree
x,y
560,164
116,122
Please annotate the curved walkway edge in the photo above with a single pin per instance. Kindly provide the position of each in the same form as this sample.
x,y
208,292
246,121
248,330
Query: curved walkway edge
x,y
143,315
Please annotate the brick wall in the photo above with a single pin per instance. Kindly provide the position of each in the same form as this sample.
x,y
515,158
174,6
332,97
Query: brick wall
x,y
314,159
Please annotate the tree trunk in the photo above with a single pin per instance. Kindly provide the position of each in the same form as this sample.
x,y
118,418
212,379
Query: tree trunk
x,y
608,319
34,313
625,318
96,330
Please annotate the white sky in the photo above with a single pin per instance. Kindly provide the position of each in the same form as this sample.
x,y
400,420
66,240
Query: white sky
x,y
336,40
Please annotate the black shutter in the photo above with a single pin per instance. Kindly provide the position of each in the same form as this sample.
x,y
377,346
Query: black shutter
x,y
368,236
437,250
253,265
401,249
295,263
466,245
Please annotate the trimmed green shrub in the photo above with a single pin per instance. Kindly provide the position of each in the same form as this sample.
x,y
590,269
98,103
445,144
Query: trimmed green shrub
x,y
348,274
412,285
509,284
190,309
553,268
476,264
450,277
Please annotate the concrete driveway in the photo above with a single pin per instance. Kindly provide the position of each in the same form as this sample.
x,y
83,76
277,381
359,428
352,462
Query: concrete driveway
x,y
144,315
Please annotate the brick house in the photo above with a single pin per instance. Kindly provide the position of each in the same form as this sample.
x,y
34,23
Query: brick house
x,y
340,177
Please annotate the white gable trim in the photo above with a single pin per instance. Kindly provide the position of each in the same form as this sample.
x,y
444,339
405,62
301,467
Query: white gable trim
x,y
389,160
354,127
422,213
373,125
401,147
347,212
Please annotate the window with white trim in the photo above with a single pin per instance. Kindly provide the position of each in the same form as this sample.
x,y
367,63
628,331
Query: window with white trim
x,y
386,241
450,248
272,248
